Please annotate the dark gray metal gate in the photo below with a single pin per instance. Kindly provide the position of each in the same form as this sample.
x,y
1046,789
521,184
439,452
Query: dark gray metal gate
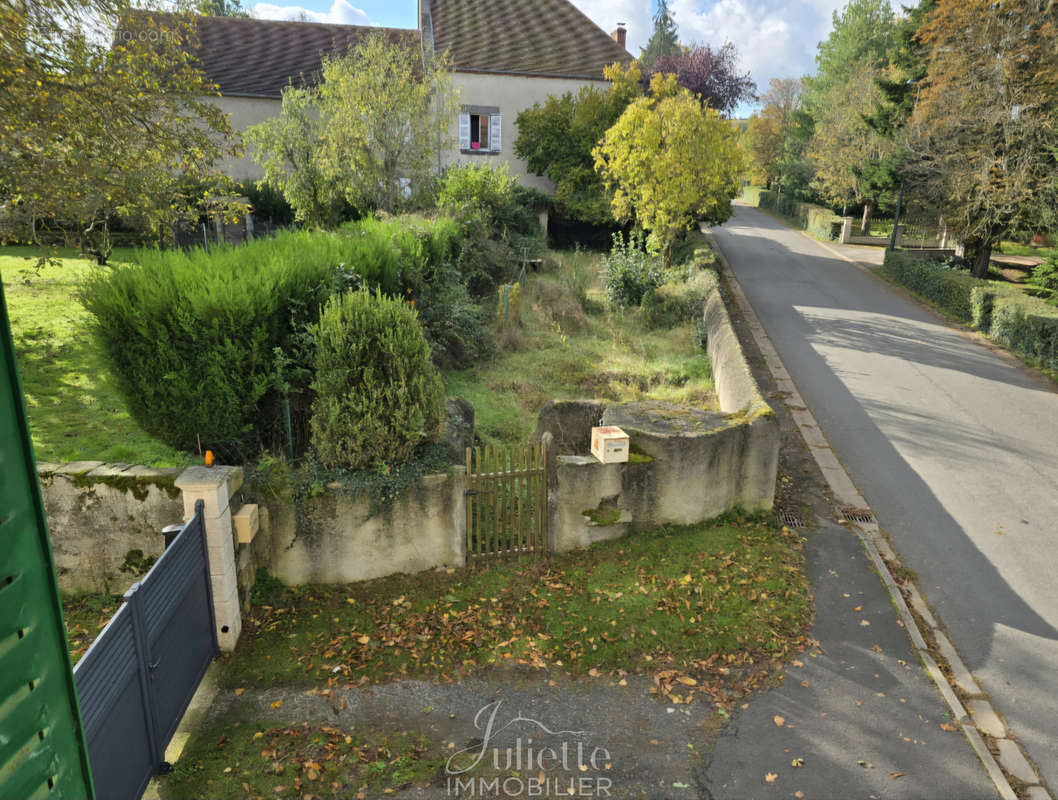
x,y
137,678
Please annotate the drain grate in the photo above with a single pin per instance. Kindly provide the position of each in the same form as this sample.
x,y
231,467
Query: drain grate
x,y
791,519
856,514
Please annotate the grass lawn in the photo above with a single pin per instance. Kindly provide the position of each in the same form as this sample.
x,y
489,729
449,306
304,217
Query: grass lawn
x,y
707,611
679,599
1012,249
75,411
570,345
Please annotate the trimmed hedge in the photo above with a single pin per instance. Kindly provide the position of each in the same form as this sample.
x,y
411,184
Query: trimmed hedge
x,y
949,289
1023,324
820,222
193,336
378,395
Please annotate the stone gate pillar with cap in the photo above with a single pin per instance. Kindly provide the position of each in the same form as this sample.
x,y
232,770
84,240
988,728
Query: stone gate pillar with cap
x,y
214,486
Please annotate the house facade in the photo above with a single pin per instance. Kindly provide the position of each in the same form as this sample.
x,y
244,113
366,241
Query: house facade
x,y
505,57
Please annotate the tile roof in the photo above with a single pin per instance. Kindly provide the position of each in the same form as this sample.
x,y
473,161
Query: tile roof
x,y
545,37
257,58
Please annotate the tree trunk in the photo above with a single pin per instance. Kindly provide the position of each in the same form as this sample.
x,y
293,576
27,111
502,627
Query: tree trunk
x,y
868,213
982,258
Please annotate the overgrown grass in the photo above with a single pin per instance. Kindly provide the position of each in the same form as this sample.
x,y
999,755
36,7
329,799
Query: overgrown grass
x,y
688,601
85,615
570,345
243,757
75,410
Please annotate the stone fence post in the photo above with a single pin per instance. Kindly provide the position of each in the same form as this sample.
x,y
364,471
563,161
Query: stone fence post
x,y
846,229
214,486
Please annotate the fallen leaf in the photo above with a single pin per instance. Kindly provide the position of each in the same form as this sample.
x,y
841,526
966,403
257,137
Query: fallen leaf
x,y
895,775
797,763
364,639
780,721
594,672
944,726
770,777
239,691
797,663
687,681
277,704
798,794
864,623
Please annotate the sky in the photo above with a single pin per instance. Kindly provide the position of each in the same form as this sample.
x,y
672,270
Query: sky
x,y
775,38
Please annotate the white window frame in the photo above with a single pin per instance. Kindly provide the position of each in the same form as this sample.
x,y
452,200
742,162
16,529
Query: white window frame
x,y
495,130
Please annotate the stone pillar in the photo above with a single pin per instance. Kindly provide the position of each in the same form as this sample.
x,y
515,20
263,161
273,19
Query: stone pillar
x,y
215,486
846,229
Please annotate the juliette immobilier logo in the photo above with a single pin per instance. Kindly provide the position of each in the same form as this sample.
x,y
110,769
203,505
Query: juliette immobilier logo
x,y
525,758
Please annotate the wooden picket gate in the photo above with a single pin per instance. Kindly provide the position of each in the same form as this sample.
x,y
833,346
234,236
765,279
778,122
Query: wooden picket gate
x,y
506,500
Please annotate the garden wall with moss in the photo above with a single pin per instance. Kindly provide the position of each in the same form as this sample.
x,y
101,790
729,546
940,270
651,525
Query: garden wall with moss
x,y
106,521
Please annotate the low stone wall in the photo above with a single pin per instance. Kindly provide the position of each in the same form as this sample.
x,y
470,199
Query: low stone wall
x,y
687,465
106,521
338,537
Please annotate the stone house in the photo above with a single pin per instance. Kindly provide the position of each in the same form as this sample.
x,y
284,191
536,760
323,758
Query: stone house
x,y
505,55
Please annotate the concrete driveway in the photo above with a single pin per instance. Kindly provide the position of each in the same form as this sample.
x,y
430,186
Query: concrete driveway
x,y
953,443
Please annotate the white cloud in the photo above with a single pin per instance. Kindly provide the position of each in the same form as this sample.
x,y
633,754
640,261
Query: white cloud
x,y
634,13
775,38
340,13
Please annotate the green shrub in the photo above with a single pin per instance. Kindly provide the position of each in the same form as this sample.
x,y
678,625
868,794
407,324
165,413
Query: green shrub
x,y
947,288
1044,280
206,344
492,196
678,301
818,221
1026,325
192,336
631,272
377,394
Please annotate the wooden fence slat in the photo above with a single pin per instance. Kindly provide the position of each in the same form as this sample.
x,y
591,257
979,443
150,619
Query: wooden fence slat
x,y
506,502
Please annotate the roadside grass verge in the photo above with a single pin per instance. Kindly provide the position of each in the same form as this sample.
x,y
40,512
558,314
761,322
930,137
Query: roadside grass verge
x,y
710,608
564,343
75,410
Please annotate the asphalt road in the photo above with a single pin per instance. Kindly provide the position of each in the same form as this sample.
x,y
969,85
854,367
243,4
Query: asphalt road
x,y
954,445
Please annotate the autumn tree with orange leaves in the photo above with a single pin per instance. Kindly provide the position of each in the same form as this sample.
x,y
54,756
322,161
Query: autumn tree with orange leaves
x,y
983,136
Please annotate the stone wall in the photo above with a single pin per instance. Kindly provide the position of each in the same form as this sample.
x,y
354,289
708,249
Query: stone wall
x,y
338,537
106,521
687,465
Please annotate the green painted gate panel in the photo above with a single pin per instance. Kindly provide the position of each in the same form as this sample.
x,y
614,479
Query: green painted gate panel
x,y
42,752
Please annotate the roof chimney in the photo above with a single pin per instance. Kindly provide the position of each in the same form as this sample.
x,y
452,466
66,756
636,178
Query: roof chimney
x,y
619,34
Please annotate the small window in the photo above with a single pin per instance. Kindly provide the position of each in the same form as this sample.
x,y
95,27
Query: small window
x,y
479,130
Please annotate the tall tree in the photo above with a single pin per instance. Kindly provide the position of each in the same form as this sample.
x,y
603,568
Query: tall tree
x,y
556,139
983,136
770,128
846,152
664,41
711,75
844,149
861,33
670,162
102,113
288,146
385,114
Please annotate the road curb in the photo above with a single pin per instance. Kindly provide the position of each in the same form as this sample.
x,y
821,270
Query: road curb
x,y
882,555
